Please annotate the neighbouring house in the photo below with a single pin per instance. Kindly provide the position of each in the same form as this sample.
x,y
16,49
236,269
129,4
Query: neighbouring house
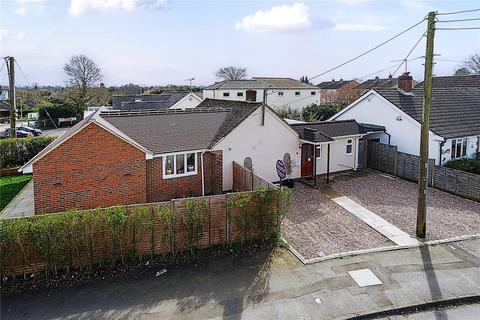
x,y
468,81
280,92
341,91
163,101
454,120
4,111
3,92
379,83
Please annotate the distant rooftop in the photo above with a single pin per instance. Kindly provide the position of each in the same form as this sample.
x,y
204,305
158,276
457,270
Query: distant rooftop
x,y
148,101
377,82
470,81
334,84
261,83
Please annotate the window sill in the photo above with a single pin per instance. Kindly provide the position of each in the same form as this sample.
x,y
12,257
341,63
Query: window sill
x,y
173,176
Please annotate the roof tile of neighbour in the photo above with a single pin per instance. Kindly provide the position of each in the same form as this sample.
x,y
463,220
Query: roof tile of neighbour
x,y
261,83
4,106
334,84
148,101
470,81
197,129
378,83
328,130
455,112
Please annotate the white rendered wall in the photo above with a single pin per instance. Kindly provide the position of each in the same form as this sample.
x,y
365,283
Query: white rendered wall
x,y
274,100
339,159
263,144
187,102
405,133
472,148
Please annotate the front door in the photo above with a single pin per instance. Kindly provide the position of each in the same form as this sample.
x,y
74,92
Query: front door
x,y
307,160
251,95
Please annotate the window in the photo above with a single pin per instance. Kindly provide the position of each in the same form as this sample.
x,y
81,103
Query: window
x,y
297,93
280,93
459,148
349,146
226,94
318,151
313,93
179,165
239,94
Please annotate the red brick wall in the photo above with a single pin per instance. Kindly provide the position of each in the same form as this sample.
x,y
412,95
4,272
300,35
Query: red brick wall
x,y
159,189
92,169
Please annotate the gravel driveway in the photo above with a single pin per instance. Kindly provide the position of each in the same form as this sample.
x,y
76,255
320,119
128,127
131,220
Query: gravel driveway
x,y
317,226
395,200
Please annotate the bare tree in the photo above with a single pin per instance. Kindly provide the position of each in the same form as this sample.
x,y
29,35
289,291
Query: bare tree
x,y
231,73
473,64
83,74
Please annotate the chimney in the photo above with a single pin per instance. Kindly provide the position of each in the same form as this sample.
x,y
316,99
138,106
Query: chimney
x,y
405,82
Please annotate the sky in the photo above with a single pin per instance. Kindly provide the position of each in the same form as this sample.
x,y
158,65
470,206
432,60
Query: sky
x,y
160,42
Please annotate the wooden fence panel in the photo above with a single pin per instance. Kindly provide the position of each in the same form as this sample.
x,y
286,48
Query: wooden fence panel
x,y
246,180
387,159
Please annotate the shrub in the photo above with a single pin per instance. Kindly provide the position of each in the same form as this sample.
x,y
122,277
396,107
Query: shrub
x,y
316,112
467,165
17,152
289,113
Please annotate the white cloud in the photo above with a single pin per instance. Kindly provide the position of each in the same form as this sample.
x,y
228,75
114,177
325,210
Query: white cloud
x,y
279,18
23,6
359,27
79,7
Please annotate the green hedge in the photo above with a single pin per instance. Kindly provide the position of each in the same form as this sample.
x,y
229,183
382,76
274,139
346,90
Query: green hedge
x,y
17,152
467,165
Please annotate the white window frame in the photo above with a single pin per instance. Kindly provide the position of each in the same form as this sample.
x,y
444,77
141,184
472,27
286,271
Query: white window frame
x,y
463,144
298,93
280,93
226,94
240,94
175,174
319,155
313,93
349,144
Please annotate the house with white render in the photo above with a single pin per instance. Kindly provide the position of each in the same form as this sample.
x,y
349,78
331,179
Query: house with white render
x,y
280,92
454,121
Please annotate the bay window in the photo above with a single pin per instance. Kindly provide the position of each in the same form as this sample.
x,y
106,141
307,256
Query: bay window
x,y
179,165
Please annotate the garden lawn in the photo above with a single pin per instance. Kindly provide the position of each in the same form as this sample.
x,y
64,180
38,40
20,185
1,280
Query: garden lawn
x,y
10,186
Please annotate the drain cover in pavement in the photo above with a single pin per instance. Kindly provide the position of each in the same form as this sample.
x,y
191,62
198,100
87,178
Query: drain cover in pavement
x,y
364,277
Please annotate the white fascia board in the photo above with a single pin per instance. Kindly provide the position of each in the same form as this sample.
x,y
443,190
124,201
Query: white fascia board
x,y
315,143
26,169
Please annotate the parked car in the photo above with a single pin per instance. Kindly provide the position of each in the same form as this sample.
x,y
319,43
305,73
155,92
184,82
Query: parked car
x,y
20,134
35,132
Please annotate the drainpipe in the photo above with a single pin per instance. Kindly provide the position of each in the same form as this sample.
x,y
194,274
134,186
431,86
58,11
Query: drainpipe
x,y
389,136
203,173
442,143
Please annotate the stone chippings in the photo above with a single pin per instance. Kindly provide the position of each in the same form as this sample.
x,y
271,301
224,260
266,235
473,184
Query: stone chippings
x,y
316,226
395,200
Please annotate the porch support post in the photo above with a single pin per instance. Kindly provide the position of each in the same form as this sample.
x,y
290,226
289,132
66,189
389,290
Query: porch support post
x,y
314,165
328,163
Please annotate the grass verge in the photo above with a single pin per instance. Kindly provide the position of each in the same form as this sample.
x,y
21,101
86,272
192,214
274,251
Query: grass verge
x,y
10,186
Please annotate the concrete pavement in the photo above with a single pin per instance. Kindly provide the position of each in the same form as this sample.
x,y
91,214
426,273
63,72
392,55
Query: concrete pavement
x,y
264,286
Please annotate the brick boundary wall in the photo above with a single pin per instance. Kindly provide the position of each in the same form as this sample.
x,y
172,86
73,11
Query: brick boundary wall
x,y
221,229
386,158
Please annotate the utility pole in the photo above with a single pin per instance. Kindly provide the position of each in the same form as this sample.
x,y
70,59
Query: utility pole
x,y
11,93
424,137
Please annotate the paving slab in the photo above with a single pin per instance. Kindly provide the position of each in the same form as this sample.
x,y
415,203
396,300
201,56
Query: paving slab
x,y
21,205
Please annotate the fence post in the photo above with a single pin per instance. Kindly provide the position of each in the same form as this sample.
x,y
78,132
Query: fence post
x,y
395,155
209,223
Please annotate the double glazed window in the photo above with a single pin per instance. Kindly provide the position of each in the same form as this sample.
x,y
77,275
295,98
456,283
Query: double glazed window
x,y
239,94
179,165
459,148
226,94
349,146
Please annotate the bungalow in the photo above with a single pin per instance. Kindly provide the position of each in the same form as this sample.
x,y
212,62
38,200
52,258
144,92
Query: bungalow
x,y
280,92
163,101
454,121
379,83
124,157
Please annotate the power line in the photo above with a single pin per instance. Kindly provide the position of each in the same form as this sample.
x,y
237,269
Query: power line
x,y
463,28
458,20
368,51
23,73
391,67
410,52
457,12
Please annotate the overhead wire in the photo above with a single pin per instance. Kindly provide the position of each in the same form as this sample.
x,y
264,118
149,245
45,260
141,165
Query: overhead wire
x,y
409,53
456,12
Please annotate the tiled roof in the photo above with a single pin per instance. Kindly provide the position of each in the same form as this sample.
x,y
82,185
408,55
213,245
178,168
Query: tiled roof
x,y
334,84
327,130
147,101
455,112
197,129
4,106
470,81
261,83
379,83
